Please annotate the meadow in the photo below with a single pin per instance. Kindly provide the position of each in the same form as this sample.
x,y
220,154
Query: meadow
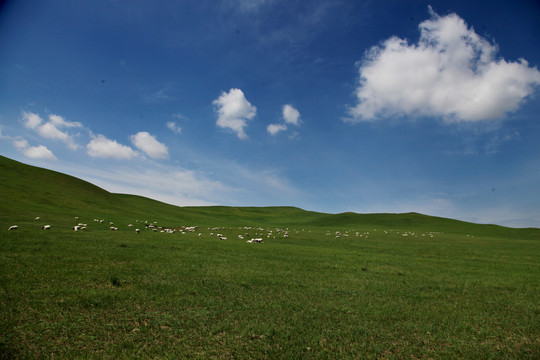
x,y
336,287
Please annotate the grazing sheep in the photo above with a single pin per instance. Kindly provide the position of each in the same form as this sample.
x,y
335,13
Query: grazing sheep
x,y
76,228
113,228
37,218
222,238
137,231
13,227
46,227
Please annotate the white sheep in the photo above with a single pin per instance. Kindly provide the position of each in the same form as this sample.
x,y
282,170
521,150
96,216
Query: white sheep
x,y
46,227
13,227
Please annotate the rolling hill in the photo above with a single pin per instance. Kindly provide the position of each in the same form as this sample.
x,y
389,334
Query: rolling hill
x,y
29,191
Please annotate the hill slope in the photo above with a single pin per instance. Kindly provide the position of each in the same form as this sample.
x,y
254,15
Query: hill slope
x,y
29,191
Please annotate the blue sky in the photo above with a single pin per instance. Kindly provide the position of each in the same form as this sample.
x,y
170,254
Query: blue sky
x,y
332,106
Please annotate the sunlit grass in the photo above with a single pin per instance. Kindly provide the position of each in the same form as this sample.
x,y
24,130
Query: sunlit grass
x,y
110,294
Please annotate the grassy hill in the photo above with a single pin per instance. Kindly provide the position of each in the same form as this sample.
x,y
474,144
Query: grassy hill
x,y
29,191
322,286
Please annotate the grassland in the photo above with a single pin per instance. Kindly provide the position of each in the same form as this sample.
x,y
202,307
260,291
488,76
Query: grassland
x,y
386,286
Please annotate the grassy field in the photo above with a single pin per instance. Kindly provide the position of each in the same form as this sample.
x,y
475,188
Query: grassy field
x,y
384,286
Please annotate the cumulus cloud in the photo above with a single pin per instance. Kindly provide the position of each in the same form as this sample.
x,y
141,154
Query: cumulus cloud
x,y
273,129
171,125
291,115
51,128
34,152
149,145
101,147
234,111
452,72
31,120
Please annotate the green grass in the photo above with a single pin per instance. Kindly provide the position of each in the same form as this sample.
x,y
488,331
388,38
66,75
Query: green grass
x,y
447,289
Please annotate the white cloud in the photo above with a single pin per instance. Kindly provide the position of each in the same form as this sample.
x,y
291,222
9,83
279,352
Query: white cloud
x,y
452,72
50,129
31,120
34,152
59,121
174,128
273,129
234,111
39,152
20,144
149,145
291,115
102,147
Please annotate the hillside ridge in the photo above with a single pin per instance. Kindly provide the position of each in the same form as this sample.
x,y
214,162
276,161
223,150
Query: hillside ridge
x,y
28,191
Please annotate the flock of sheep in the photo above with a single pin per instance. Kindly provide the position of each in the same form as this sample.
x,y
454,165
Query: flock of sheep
x,y
81,226
366,234
260,233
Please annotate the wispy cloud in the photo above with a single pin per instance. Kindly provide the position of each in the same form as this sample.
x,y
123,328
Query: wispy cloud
x,y
2,135
251,6
171,125
168,183
158,96
149,145
234,110
451,73
101,147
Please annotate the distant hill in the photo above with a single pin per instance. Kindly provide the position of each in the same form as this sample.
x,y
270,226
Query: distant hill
x,y
28,191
